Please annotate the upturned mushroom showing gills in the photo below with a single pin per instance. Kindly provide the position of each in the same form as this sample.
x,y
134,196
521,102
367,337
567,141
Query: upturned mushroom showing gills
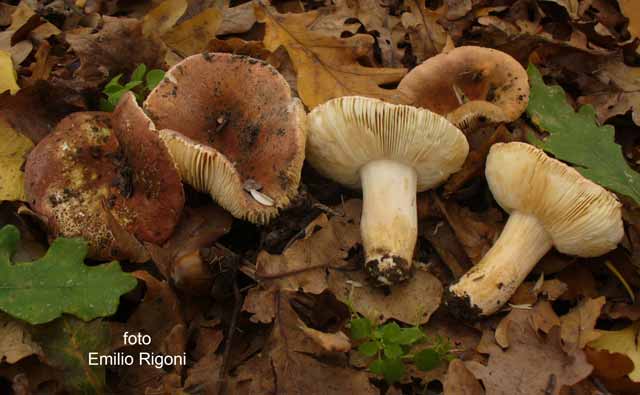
x,y
234,131
108,178
391,152
469,84
550,204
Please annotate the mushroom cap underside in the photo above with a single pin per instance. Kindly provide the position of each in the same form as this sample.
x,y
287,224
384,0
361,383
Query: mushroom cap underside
x,y
348,132
581,217
239,110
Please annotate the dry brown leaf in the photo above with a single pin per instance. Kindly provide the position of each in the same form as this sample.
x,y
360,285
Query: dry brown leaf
x,y
15,340
428,38
528,293
330,342
13,152
578,326
290,364
162,18
460,381
608,105
327,67
411,302
631,9
118,47
623,342
237,46
238,19
193,35
530,363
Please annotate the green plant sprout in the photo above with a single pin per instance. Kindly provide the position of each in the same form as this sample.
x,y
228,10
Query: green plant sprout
x,y
140,83
391,347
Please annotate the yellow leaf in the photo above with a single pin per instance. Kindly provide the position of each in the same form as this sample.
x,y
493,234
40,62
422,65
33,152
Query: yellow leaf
x,y
7,74
162,18
327,67
622,342
631,9
193,35
13,150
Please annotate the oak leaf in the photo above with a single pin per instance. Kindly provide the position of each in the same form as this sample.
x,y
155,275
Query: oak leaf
x,y
13,151
327,67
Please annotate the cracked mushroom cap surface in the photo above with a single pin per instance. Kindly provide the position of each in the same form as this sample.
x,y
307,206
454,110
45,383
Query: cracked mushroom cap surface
x,y
108,178
234,130
348,132
582,218
492,82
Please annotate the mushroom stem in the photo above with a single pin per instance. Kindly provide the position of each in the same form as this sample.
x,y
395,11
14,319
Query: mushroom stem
x,y
389,224
490,283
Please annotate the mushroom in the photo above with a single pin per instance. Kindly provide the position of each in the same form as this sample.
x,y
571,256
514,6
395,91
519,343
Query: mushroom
x,y
106,177
550,204
234,131
391,151
469,84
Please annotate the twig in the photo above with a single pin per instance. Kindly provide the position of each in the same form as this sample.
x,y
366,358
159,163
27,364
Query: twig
x,y
222,376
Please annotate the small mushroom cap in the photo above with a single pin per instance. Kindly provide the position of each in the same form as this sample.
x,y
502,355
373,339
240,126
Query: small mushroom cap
x,y
237,132
581,217
348,132
488,76
106,177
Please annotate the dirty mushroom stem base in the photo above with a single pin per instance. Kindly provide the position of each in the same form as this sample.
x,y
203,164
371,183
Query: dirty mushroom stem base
x,y
389,219
489,284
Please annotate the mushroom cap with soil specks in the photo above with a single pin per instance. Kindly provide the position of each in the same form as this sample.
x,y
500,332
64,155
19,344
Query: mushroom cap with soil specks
x,y
493,83
581,217
234,131
96,167
348,132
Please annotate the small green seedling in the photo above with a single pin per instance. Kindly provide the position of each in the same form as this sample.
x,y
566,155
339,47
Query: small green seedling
x,y
140,83
390,345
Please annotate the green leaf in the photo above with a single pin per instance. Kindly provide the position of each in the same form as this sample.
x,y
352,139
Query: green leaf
x,y
153,78
138,73
67,343
110,89
360,328
576,138
392,370
393,351
131,84
427,359
105,105
377,367
390,332
59,282
115,81
369,349
409,336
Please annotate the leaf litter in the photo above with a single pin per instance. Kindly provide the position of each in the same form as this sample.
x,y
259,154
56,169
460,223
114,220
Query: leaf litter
x,y
271,309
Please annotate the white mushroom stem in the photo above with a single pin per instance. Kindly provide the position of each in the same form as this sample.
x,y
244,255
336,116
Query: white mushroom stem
x,y
389,224
492,282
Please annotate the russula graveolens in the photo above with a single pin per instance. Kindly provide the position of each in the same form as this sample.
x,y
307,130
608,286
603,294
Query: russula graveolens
x,y
391,152
468,84
101,176
550,204
234,131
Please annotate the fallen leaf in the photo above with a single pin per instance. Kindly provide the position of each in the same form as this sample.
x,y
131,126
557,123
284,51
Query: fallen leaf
x,y
15,340
528,293
412,301
530,363
162,18
460,381
428,38
631,10
622,342
327,67
7,74
193,35
238,19
67,343
578,326
330,342
571,6
117,47
608,105
13,151
42,290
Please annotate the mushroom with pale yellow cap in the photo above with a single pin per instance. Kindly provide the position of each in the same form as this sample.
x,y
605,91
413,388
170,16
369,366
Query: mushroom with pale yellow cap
x,y
550,204
392,152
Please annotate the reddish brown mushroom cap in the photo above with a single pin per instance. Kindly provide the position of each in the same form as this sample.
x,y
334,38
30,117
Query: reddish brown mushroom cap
x,y
493,84
95,167
237,129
